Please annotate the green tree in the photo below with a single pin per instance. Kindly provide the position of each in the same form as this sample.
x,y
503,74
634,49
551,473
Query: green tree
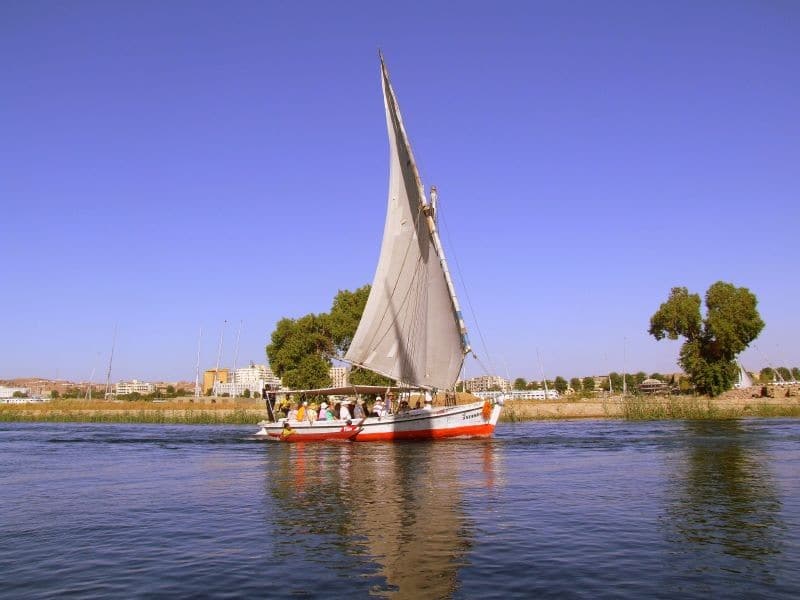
x,y
575,384
785,373
795,373
640,377
171,390
658,376
560,384
54,394
19,394
299,350
767,375
588,384
630,383
708,355
520,383
246,393
615,379
344,316
360,376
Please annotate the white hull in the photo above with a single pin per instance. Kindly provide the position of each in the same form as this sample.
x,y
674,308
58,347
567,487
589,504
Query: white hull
x,y
467,421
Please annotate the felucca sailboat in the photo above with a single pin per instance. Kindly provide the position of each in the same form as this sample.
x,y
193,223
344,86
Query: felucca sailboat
x,y
412,330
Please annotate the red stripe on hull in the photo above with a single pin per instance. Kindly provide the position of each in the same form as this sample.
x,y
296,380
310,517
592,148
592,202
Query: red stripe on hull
x,y
484,430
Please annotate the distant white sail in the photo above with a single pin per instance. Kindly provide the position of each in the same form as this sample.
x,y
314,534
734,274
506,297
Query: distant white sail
x,y
744,379
410,330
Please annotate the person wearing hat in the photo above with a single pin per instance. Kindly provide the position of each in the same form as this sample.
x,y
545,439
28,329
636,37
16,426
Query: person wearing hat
x,y
344,412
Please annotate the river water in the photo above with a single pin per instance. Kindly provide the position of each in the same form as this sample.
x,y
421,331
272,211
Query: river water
x,y
582,509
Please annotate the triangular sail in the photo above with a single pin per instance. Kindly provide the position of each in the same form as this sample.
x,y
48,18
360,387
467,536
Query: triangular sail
x,y
744,379
411,328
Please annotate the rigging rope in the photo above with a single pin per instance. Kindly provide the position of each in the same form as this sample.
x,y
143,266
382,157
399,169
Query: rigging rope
x,y
454,254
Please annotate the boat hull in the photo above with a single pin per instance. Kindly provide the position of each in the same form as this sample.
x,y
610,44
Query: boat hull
x,y
476,420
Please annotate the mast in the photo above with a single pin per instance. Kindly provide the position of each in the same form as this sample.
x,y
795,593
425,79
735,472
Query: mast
x,y
236,356
110,360
89,387
541,370
624,383
219,356
197,368
429,209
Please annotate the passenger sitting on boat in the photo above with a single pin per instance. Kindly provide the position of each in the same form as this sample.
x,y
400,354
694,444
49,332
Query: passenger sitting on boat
x,y
292,416
377,408
344,412
301,412
311,413
358,411
325,414
287,430
404,407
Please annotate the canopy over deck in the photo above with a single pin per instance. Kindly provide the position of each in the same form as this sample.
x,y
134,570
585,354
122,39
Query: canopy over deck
x,y
351,389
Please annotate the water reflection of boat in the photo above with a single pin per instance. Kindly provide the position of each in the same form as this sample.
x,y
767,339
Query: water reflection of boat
x,y
387,518
411,330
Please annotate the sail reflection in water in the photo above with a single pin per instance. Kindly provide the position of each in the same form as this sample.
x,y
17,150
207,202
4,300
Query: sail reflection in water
x,y
388,515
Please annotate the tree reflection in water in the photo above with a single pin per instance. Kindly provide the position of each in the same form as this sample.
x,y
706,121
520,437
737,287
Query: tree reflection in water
x,y
380,518
724,506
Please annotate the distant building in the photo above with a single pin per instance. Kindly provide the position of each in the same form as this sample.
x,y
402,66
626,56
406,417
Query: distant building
x,y
213,376
339,376
487,383
653,386
8,392
520,395
252,378
134,387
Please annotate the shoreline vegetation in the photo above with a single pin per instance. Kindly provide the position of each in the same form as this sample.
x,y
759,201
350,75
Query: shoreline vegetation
x,y
782,402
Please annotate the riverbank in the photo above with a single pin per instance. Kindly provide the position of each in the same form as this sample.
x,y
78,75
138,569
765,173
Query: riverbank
x,y
242,411
726,406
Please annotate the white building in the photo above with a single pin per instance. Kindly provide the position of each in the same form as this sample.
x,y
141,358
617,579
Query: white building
x,y
7,393
252,378
129,387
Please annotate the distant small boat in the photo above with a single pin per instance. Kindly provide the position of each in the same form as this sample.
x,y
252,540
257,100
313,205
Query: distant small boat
x,y
412,330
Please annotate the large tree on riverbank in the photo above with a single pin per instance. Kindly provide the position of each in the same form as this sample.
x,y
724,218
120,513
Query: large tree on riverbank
x,y
708,356
301,349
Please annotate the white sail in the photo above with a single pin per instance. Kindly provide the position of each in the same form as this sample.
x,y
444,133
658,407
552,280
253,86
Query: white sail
x,y
744,381
411,328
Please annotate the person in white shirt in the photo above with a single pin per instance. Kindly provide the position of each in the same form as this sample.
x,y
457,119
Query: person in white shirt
x,y
377,408
344,412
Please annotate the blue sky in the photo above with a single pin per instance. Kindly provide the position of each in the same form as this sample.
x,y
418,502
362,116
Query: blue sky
x,y
170,166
